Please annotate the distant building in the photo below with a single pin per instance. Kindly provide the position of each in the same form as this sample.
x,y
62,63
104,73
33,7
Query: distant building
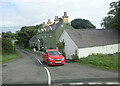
x,y
49,35
90,41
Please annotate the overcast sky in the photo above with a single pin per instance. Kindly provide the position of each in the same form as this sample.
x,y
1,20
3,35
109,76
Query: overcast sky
x,y
18,13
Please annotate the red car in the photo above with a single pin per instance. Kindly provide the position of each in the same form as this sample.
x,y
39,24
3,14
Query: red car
x,y
53,57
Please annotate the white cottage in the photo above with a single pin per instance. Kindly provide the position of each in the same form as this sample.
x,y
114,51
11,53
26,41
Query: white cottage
x,y
90,41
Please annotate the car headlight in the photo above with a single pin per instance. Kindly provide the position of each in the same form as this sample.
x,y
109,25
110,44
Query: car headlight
x,y
63,58
50,58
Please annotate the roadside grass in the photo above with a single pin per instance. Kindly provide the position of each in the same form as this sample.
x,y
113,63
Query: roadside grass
x,y
9,57
0,58
27,49
103,61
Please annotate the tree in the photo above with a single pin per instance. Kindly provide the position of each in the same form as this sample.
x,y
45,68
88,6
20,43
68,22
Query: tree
x,y
8,34
113,18
60,19
82,24
25,34
7,46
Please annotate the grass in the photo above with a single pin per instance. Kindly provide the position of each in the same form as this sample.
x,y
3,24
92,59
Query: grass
x,y
26,49
9,57
102,61
0,58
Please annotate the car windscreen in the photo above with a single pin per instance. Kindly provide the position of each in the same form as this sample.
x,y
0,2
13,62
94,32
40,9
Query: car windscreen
x,y
54,53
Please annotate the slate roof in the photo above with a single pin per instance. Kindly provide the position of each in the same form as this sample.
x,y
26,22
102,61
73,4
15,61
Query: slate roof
x,y
84,38
54,26
34,38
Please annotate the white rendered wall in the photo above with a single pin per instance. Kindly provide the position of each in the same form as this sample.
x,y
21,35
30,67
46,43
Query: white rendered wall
x,y
70,46
108,49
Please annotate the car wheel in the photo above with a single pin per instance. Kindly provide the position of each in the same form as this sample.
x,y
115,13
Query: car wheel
x,y
43,59
47,62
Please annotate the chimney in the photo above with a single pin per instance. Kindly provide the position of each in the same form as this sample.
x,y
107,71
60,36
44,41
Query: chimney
x,y
49,22
65,13
65,17
56,20
43,25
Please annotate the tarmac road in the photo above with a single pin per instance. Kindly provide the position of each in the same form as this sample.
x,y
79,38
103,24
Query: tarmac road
x,y
31,70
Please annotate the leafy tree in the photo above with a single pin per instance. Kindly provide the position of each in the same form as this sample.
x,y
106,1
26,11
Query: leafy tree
x,y
82,24
7,46
60,19
8,34
26,33
38,26
113,18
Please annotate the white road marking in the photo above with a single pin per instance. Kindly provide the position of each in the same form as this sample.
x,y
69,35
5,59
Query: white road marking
x,y
49,77
76,83
48,73
94,83
112,83
39,61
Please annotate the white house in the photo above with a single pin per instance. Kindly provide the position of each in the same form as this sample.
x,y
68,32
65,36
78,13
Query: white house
x,y
90,41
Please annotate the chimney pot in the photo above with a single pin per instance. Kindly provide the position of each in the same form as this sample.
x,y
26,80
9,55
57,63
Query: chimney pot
x,y
65,13
48,20
43,22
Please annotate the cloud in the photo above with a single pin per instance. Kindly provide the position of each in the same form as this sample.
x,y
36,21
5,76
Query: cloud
x,y
16,13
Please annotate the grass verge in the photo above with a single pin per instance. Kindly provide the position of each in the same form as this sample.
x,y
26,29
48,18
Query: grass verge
x,y
103,61
26,49
9,57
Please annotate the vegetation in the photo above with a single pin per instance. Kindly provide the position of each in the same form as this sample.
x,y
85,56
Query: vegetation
x,y
103,61
8,50
8,34
9,57
60,30
26,49
82,24
0,49
26,33
7,46
61,46
74,57
113,18
60,20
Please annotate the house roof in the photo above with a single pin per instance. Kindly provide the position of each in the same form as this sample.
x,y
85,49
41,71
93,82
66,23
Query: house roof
x,y
53,26
93,37
33,39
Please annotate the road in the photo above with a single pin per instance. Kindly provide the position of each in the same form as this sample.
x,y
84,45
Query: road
x,y
30,70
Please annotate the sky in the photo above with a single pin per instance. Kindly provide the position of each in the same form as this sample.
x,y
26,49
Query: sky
x,y
15,14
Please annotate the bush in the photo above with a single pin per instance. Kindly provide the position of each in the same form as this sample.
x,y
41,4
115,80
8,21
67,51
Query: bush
x,y
74,57
7,46
61,46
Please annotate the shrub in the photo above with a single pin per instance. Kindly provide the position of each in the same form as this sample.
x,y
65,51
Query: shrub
x,y
61,46
74,57
7,46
